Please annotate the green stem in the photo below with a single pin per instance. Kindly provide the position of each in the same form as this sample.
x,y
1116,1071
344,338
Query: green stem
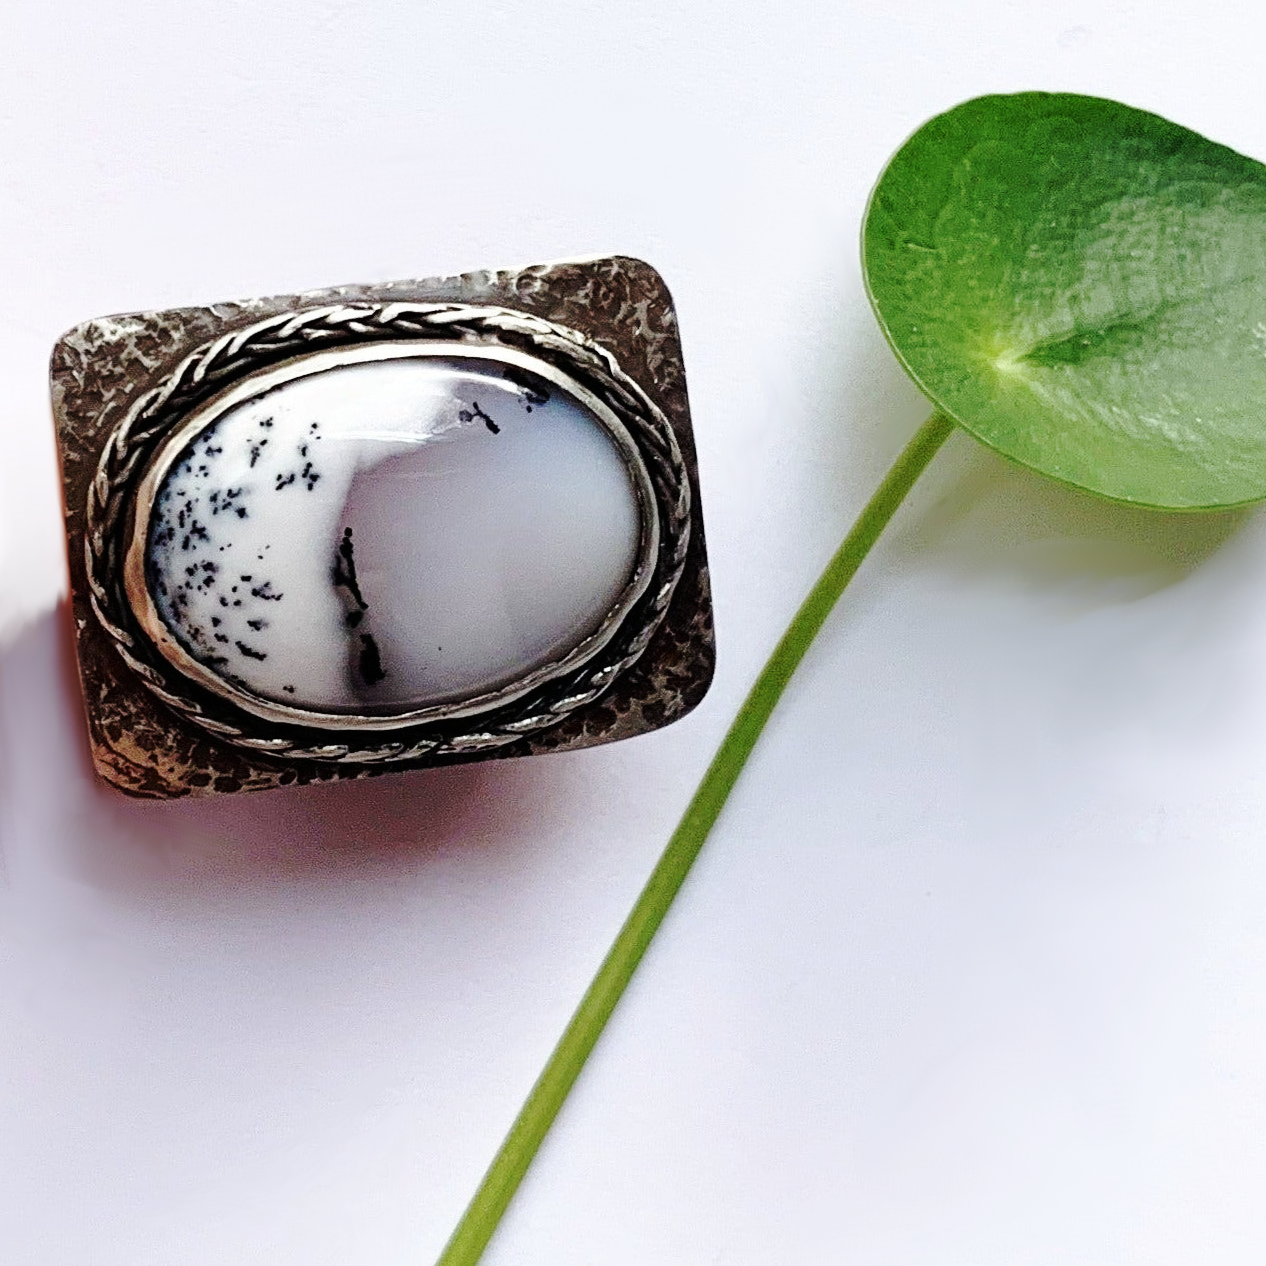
x,y
546,1098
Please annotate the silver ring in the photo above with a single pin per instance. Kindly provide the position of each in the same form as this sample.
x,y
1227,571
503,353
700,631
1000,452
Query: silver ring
x,y
224,373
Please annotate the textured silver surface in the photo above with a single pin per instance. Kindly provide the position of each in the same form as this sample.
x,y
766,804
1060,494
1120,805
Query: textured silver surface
x,y
160,415
122,385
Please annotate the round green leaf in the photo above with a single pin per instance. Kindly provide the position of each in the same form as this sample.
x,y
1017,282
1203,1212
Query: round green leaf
x,y
1082,286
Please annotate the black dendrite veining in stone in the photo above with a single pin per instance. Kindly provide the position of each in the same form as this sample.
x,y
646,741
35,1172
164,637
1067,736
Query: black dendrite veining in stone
x,y
368,661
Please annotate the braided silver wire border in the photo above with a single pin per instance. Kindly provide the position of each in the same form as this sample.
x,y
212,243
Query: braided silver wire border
x,y
207,369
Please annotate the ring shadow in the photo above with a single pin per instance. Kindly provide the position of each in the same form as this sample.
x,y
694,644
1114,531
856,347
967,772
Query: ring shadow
x,y
51,800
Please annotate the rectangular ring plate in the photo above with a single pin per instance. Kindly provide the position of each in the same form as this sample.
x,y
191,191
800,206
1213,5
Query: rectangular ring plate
x,y
150,740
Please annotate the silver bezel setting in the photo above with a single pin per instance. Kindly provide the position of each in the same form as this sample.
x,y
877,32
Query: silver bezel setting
x,y
145,611
230,369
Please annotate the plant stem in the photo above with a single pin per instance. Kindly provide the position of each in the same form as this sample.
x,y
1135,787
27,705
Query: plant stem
x,y
546,1098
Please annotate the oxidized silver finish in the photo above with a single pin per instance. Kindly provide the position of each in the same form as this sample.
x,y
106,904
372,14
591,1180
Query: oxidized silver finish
x,y
143,608
159,424
126,388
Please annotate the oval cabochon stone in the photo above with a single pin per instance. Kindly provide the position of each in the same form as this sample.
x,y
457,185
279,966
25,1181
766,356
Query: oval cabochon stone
x,y
389,535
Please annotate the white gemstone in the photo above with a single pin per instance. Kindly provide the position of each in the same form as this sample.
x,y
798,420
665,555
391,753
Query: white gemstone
x,y
384,536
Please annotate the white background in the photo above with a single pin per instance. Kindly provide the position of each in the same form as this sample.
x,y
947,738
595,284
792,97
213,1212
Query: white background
x,y
972,972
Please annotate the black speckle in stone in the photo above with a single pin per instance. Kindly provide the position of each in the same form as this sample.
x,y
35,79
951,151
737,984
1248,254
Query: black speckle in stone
x,y
215,621
266,423
289,689
370,664
256,449
344,575
225,501
469,415
250,652
284,481
265,591
257,625
222,637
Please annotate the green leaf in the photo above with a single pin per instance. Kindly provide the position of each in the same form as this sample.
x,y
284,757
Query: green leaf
x,y
1082,286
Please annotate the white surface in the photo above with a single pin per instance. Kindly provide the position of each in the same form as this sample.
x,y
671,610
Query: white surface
x,y
973,971
477,555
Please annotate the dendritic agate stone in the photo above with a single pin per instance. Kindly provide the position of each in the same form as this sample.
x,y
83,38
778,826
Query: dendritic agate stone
x,y
391,535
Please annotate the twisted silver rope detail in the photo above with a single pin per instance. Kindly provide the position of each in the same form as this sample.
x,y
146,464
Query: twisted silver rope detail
x,y
239,353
